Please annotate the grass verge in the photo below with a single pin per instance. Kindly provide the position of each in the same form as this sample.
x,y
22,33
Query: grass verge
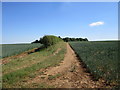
x,y
17,77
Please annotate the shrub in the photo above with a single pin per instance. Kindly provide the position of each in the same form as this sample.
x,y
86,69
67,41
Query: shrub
x,y
49,40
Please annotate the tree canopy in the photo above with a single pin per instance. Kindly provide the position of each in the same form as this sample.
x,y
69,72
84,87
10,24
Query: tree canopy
x,y
51,39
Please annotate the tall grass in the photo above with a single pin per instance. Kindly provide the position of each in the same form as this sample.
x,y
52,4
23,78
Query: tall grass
x,y
44,58
14,49
101,58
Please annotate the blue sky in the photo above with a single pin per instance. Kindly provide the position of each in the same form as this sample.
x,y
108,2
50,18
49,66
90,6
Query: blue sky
x,y
27,21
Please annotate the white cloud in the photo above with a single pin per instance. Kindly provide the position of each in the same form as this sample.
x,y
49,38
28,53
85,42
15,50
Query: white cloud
x,y
96,24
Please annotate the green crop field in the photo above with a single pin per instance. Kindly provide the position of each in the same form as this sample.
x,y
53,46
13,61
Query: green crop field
x,y
101,58
14,49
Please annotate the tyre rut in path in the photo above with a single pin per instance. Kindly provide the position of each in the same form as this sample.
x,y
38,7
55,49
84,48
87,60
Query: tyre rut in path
x,y
72,74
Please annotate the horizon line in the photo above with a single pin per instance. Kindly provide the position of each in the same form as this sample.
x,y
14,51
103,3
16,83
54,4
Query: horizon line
x,y
73,41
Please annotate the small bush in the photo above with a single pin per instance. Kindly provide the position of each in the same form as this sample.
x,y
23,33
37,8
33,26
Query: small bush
x,y
49,40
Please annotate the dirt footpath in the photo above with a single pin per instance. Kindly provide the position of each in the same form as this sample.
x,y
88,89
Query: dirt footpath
x,y
69,74
73,75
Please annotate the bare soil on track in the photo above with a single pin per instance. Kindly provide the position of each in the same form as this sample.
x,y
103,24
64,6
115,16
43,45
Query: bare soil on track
x,y
68,74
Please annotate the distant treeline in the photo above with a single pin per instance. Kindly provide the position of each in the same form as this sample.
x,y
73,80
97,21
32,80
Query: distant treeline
x,y
66,39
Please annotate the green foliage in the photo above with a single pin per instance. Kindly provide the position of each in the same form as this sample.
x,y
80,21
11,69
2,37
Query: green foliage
x,y
101,58
44,59
49,40
14,49
67,39
54,76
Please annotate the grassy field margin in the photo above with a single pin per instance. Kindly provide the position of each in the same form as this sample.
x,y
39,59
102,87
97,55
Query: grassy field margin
x,y
16,78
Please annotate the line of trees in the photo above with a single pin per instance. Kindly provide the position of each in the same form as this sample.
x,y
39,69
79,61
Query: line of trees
x,y
66,39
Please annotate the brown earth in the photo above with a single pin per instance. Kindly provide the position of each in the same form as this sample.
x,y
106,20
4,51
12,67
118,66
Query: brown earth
x,y
69,74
